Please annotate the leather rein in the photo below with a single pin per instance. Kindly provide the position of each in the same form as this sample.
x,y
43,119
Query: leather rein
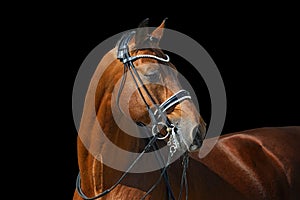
x,y
157,116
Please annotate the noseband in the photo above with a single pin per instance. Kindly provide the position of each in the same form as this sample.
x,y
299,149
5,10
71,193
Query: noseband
x,y
157,116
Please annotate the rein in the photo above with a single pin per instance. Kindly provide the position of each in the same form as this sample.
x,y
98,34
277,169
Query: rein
x,y
105,192
158,117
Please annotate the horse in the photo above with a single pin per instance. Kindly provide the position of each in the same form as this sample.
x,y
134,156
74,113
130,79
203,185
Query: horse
x,y
259,163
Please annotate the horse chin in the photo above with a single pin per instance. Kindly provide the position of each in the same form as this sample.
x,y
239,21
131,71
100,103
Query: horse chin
x,y
193,148
196,145
189,148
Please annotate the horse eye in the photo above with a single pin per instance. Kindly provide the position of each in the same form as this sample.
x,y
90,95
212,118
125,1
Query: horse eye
x,y
153,75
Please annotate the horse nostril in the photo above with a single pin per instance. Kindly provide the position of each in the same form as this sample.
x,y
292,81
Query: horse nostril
x,y
197,133
197,138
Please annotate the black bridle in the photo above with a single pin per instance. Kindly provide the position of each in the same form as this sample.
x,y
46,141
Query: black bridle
x,y
157,116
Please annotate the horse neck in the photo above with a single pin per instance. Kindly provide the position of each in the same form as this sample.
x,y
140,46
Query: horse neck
x,y
95,176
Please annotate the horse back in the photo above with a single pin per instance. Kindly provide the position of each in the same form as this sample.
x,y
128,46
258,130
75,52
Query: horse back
x,y
260,163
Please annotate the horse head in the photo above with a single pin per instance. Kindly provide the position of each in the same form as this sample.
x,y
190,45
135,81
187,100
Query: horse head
x,y
152,94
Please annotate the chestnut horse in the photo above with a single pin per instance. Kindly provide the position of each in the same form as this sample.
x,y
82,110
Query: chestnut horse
x,y
252,164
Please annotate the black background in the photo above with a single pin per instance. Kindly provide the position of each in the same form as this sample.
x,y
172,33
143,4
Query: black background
x,y
256,51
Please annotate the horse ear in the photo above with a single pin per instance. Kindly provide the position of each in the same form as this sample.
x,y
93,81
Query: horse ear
x,y
142,32
144,23
157,34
